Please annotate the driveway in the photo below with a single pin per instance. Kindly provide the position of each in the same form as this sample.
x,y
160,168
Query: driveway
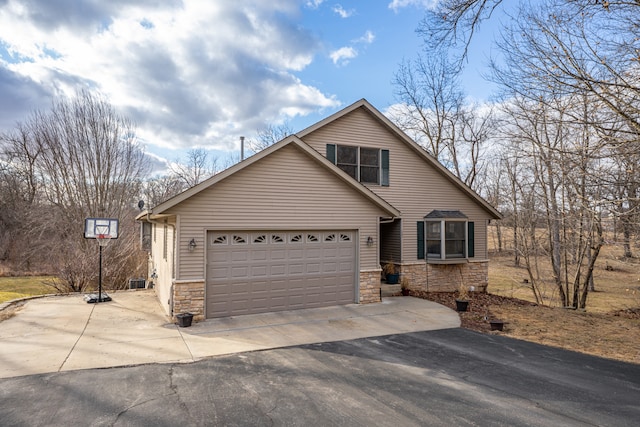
x,y
56,334
451,377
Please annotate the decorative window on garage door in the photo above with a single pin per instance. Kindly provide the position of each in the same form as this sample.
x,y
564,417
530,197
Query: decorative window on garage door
x,y
260,238
220,239
239,239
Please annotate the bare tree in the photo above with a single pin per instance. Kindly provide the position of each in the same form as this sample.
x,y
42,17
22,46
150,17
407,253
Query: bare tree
x,y
429,88
18,189
159,189
80,159
198,167
563,157
454,22
269,136
571,87
432,110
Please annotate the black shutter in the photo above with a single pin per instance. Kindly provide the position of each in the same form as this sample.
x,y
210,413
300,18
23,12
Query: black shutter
x,y
331,153
384,180
470,240
420,239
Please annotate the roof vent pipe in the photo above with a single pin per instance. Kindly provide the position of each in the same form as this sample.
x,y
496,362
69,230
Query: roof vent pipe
x,y
241,148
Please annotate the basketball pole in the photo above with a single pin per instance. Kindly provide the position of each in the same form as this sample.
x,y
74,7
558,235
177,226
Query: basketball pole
x,y
100,277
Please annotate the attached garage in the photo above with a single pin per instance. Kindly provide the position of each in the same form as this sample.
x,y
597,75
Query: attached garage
x,y
252,272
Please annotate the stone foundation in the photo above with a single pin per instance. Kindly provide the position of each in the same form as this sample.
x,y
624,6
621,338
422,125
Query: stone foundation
x,y
369,286
445,277
188,297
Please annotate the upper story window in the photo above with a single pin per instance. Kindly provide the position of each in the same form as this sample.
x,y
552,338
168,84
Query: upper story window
x,y
448,236
367,165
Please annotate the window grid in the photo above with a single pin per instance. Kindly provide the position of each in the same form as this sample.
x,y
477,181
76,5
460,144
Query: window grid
x,y
361,163
446,239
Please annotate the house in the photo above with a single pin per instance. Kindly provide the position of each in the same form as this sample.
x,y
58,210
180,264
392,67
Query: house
x,y
308,221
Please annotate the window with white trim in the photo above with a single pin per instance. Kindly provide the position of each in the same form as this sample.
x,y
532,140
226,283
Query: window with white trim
x,y
448,236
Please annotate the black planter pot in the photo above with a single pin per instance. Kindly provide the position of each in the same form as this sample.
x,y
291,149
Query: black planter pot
x,y
184,319
392,279
496,325
462,305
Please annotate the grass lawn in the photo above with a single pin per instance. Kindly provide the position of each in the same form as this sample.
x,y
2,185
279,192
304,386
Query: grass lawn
x,y
20,287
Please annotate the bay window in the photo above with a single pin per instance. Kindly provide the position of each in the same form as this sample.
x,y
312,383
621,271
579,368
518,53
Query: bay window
x,y
448,236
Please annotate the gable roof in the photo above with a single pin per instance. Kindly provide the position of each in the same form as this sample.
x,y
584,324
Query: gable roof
x,y
421,152
290,140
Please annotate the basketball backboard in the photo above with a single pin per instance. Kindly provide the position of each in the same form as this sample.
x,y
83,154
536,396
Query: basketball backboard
x,y
100,228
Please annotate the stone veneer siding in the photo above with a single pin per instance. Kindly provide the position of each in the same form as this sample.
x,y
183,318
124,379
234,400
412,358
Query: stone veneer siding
x,y
188,297
445,277
369,286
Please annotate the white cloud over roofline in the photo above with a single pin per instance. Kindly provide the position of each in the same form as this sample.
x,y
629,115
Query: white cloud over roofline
x,y
188,72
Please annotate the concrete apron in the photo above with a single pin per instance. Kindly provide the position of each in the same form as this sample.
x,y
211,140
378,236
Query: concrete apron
x,y
56,334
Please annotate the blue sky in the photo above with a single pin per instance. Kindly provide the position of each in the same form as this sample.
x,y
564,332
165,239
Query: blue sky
x,y
201,73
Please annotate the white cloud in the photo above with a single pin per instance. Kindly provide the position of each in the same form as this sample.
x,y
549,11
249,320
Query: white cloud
x,y
314,4
342,12
421,4
190,73
367,38
343,55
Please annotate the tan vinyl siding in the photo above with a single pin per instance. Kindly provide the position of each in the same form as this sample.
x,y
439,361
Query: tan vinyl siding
x,y
286,190
163,267
415,187
391,241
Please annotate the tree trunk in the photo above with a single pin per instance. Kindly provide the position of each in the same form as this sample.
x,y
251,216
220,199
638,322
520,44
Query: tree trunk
x,y
594,252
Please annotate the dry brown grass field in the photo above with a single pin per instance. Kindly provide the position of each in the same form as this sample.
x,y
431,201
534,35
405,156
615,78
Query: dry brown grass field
x,y
609,327
616,279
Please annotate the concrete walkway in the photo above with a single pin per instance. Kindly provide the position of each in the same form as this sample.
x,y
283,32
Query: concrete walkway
x,y
56,334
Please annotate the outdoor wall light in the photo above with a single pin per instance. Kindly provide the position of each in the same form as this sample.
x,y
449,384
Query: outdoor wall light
x,y
369,241
192,245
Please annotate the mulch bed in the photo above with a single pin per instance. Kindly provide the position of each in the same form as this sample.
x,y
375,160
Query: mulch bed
x,y
629,313
479,313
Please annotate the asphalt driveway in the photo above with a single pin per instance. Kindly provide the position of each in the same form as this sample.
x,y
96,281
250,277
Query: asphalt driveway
x,y
436,378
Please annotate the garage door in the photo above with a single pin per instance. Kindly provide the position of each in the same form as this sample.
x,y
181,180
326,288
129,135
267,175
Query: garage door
x,y
257,272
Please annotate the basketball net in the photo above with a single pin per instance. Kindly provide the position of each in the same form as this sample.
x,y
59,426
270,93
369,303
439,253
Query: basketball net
x,y
103,238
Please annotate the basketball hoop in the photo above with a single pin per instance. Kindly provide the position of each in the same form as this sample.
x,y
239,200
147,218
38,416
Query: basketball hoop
x,y
103,239
103,230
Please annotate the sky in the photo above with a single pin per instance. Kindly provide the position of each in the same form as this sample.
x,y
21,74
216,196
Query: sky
x,y
200,74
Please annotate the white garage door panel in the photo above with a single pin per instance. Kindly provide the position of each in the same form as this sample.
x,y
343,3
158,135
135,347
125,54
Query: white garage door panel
x,y
257,272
